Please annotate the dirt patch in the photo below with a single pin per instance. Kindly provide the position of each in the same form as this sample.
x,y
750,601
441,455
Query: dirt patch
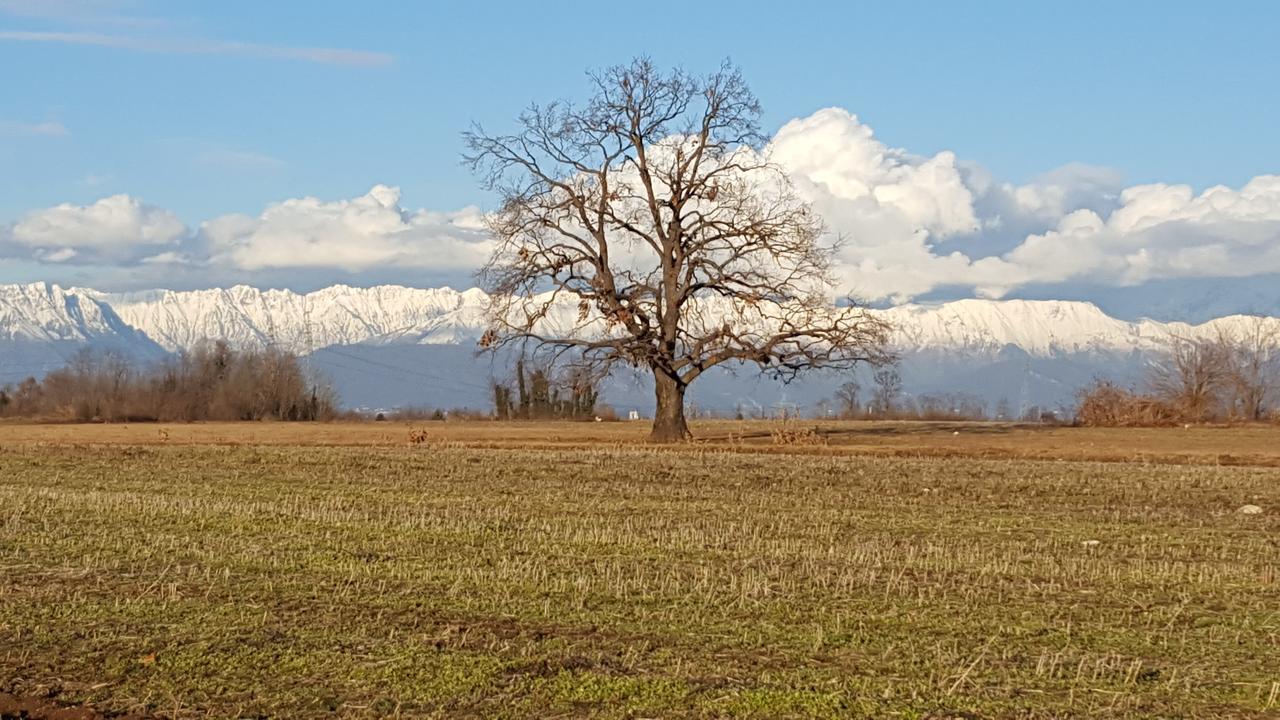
x,y
13,707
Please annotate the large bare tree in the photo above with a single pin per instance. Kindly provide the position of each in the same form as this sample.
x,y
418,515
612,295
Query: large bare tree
x,y
647,226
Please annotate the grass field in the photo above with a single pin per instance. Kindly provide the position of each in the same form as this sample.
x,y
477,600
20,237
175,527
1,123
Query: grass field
x,y
1252,445
895,571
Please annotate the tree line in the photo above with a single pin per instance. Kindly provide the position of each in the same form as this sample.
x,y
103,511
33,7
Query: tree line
x,y
212,381
544,394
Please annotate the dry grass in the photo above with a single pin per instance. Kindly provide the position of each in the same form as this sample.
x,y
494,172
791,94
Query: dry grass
x,y
446,580
1255,445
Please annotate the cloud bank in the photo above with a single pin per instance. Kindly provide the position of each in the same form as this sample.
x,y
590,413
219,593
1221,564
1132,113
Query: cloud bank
x,y
365,233
909,225
116,230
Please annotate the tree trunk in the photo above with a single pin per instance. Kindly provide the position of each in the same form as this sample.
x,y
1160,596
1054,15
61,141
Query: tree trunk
x,y
668,418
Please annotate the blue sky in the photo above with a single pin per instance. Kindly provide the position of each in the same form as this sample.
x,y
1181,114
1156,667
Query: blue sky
x,y
208,109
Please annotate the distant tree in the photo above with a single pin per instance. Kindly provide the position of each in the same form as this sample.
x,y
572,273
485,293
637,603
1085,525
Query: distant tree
x,y
582,391
969,407
652,208
888,387
522,389
548,393
502,408
822,408
940,406
1190,376
847,396
1004,409
28,398
1253,359
541,406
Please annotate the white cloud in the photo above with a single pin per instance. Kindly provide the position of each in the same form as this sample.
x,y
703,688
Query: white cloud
x,y
910,225
114,230
888,207
837,159
197,46
1158,232
368,232
45,129
904,219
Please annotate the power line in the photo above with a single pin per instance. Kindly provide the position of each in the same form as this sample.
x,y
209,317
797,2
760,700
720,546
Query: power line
x,y
407,371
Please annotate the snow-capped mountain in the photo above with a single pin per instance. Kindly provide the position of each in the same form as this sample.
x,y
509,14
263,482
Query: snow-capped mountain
x,y
338,315
46,313
42,326
391,345
389,314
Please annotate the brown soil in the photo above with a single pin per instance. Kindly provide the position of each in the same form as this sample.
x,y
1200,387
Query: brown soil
x,y
13,707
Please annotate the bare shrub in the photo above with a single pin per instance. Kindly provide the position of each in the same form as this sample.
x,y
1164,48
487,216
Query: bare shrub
x,y
1105,404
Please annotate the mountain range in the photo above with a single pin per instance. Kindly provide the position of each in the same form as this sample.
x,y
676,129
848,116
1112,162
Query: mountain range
x,y
390,346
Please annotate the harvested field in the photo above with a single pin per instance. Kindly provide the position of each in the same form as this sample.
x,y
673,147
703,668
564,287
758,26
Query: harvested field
x,y
499,575
1257,445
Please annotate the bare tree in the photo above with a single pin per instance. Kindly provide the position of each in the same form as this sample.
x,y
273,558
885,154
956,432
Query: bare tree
x,y
647,227
1253,357
1191,375
847,398
888,387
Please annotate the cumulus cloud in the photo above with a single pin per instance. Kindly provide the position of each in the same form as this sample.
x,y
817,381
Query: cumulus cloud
x,y
889,208
1157,232
364,233
114,230
910,226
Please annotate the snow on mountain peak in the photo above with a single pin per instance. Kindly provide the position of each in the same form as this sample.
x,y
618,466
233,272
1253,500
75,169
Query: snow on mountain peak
x,y
392,314
1040,327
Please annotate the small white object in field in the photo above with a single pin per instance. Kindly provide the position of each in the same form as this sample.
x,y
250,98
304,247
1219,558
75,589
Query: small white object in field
x,y
956,432
599,419
1249,510
1091,543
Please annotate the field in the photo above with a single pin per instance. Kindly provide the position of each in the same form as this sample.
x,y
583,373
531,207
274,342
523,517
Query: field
x,y
876,570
